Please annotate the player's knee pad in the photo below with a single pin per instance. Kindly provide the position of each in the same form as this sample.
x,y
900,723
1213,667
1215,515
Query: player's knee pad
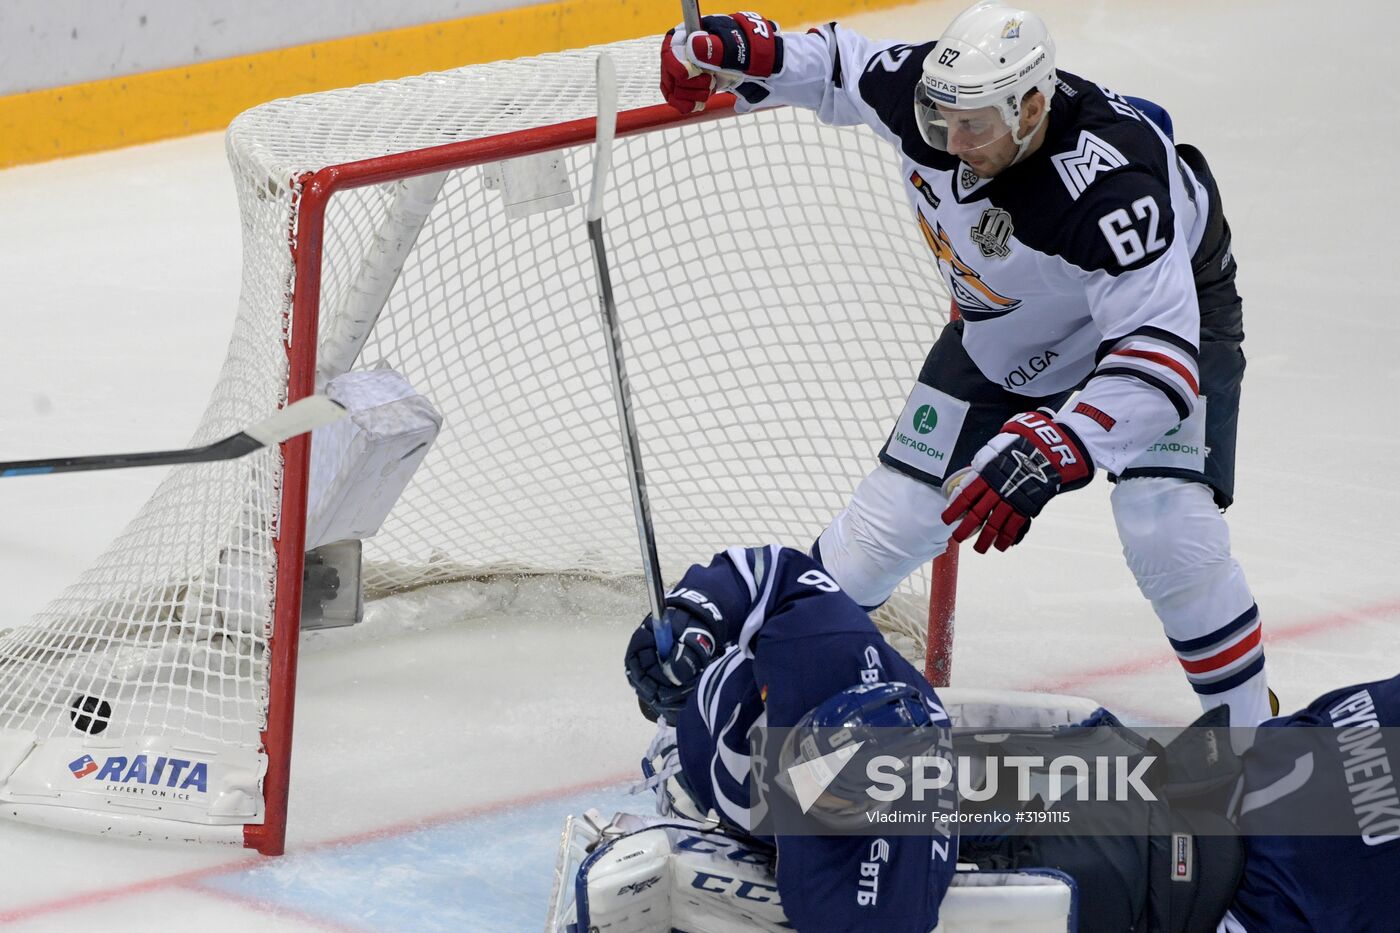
x,y
1176,542
888,530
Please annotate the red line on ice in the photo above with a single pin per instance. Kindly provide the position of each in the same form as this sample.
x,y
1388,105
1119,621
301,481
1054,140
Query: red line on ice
x,y
1165,657
190,879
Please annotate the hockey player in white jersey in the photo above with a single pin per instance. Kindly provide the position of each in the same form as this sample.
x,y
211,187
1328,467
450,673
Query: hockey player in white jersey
x,y
1086,253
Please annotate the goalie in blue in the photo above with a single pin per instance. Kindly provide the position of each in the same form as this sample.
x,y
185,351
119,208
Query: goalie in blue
x,y
763,637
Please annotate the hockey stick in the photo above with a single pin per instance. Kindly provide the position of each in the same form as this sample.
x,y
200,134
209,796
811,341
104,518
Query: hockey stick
x,y
641,507
297,418
690,14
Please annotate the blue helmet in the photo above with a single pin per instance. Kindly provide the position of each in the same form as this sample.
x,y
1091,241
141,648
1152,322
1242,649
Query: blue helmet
x,y
879,719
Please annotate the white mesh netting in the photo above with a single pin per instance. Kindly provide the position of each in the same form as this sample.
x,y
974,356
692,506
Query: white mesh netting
x,y
776,302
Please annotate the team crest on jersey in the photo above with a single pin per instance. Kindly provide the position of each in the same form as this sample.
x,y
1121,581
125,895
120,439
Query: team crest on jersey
x,y
992,232
923,188
1090,159
976,300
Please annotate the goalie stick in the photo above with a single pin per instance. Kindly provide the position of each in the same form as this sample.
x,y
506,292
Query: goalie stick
x,y
641,507
297,418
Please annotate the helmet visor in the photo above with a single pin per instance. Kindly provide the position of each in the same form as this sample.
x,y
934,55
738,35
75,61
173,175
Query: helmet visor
x,y
961,132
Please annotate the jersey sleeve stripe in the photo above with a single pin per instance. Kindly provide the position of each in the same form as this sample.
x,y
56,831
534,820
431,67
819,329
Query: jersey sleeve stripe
x,y
1151,335
748,632
733,778
1171,391
710,683
1162,359
741,558
828,32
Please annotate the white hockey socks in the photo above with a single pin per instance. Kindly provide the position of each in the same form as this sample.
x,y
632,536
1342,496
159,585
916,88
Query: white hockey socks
x,y
1177,545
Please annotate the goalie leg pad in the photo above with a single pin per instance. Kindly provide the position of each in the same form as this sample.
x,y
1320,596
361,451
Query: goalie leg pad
x,y
890,528
1177,545
646,875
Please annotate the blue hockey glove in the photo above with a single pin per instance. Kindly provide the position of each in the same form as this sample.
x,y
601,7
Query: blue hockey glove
x,y
664,662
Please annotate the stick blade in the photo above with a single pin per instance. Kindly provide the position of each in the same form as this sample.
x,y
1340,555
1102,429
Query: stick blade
x,y
299,417
607,129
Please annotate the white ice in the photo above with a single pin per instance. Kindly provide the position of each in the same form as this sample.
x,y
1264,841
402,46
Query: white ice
x,y
440,745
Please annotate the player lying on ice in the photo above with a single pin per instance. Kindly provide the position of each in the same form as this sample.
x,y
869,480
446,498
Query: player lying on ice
x,y
761,638
1085,251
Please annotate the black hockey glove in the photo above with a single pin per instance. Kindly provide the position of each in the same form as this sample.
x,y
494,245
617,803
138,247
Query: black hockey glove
x,y
1030,461
664,662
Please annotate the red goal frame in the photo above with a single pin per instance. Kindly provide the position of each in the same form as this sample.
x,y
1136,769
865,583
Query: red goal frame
x,y
307,242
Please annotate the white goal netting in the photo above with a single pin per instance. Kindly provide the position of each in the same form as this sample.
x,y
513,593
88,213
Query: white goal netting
x,y
776,302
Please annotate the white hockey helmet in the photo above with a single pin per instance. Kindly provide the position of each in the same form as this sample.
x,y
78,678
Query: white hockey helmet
x,y
991,56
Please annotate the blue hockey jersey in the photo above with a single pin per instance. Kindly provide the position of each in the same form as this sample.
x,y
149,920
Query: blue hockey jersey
x,y
795,639
1296,884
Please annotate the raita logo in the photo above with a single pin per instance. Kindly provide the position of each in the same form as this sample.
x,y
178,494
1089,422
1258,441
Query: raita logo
x,y
141,770
82,767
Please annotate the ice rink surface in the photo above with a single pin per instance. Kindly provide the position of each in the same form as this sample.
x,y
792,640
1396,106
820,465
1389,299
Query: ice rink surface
x,y
441,743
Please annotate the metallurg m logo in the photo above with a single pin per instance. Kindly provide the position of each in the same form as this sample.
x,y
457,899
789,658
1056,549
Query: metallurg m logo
x,y
977,301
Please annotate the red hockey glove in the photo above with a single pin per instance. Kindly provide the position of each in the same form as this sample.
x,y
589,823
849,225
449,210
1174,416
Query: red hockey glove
x,y
731,47
1012,477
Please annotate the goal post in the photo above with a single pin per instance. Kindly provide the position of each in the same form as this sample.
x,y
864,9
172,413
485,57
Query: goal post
x,y
776,305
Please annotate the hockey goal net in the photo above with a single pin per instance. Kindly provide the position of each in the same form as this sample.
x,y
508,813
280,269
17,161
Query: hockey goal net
x,y
775,307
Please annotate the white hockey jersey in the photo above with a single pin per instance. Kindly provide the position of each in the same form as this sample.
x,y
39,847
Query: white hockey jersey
x,y
1072,265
